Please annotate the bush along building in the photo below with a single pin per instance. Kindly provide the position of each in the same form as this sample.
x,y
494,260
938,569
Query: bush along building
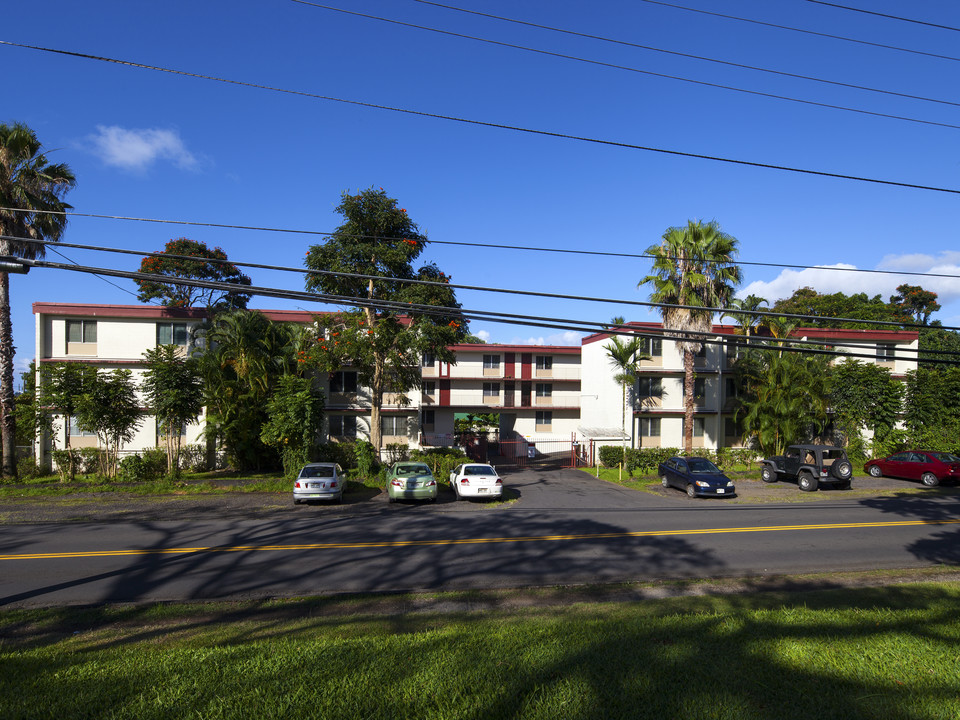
x,y
543,403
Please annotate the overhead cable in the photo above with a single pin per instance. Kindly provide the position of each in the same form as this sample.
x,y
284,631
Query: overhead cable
x,y
885,15
484,123
480,288
577,325
625,43
804,31
719,86
484,245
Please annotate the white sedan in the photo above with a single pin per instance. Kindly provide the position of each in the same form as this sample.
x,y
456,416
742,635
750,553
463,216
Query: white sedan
x,y
476,480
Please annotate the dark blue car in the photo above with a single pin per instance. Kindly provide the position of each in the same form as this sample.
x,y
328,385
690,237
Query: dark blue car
x,y
697,476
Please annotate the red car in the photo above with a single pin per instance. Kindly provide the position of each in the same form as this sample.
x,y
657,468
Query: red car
x,y
930,468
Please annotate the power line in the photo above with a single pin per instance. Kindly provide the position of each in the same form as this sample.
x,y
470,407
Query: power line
x,y
500,126
484,245
679,78
802,30
625,43
513,319
479,288
884,15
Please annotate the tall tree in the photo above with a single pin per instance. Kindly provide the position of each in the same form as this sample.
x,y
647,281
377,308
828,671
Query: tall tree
x,y
915,302
864,395
111,409
692,266
193,260
784,396
62,384
174,390
625,356
31,208
396,323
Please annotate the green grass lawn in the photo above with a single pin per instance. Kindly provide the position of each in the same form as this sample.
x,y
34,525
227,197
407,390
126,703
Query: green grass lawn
x,y
857,654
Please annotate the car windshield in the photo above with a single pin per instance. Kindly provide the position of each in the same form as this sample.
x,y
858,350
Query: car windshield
x,y
312,472
478,470
413,469
699,465
945,457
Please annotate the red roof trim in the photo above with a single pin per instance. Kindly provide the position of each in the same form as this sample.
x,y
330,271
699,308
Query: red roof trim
x,y
156,311
535,349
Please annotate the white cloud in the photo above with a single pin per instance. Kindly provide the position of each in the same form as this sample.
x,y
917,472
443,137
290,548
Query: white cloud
x,y
483,335
825,280
566,338
138,149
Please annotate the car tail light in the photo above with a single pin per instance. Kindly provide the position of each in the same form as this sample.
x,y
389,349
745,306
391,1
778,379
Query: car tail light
x,y
333,484
499,482
464,481
397,483
297,484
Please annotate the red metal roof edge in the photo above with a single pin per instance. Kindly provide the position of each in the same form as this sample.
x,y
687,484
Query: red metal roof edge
x,y
825,333
541,349
156,311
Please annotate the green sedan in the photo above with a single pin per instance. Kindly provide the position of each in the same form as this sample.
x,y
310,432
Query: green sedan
x,y
411,481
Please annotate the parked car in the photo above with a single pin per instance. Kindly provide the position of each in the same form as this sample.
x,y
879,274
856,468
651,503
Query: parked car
x,y
411,481
319,481
697,476
930,468
476,480
809,465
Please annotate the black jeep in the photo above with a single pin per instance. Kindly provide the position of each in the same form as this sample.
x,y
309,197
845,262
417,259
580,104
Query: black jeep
x,y
810,465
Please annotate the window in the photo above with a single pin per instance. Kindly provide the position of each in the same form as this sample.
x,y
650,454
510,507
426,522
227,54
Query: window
x,y
491,362
75,431
544,390
428,418
544,362
430,388
649,427
172,334
393,425
702,352
344,381
544,417
699,388
885,352
650,387
731,388
735,350
81,331
732,428
491,390
699,425
651,346
343,426
429,359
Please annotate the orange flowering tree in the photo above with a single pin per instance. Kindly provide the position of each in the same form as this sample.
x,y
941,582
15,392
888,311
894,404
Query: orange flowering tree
x,y
399,315
192,260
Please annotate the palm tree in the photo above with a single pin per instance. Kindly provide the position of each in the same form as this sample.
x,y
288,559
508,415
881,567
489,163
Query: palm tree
x,y
694,267
31,208
625,357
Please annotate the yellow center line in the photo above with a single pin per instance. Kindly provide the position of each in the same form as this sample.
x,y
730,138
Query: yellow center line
x,y
466,541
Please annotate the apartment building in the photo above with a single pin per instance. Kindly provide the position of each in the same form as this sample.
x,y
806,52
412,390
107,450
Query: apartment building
x,y
655,409
540,393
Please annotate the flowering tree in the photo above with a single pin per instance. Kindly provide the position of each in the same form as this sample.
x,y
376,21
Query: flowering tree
x,y
191,259
396,321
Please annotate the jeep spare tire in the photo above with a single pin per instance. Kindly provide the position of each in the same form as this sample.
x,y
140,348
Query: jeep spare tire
x,y
842,469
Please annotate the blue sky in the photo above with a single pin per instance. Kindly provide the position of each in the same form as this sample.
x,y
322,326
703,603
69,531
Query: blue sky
x,y
154,145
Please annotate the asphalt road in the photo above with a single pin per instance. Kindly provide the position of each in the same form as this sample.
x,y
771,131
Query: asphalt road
x,y
563,527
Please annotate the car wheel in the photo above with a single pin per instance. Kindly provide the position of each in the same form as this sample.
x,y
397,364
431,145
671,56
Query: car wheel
x,y
875,471
768,474
929,479
806,482
664,482
691,490
842,470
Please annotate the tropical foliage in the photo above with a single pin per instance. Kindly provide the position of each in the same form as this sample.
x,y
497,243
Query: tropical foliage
x,y
174,391
694,271
294,421
864,395
625,357
111,409
31,209
397,321
192,260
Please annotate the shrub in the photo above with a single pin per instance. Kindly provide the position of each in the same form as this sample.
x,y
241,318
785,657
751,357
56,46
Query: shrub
x,y
152,464
90,461
194,458
397,452
611,456
366,457
66,462
442,461
27,468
